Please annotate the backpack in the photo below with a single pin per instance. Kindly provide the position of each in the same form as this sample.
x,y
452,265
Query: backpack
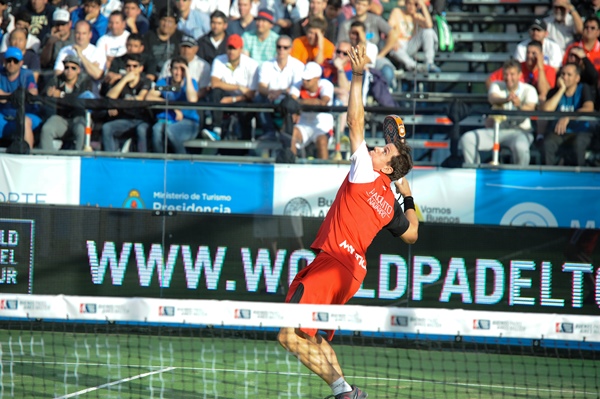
x,y
445,39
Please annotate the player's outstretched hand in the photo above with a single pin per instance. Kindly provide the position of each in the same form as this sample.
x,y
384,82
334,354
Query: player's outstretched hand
x,y
358,59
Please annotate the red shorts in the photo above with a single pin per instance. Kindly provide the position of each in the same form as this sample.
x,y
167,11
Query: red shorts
x,y
325,281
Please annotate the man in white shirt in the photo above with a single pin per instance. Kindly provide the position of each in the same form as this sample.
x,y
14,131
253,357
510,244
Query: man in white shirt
x,y
515,133
312,127
92,59
114,42
234,79
275,79
538,30
564,23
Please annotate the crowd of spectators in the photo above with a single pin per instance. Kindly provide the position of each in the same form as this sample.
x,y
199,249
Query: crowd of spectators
x,y
266,51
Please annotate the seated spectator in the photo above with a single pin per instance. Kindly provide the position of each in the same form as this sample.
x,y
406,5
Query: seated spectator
x,y
275,79
68,122
60,36
114,42
569,95
588,73
90,11
109,6
515,133
415,31
12,78
67,5
197,67
192,22
334,18
92,59
135,20
162,42
260,43
533,71
313,46
245,21
339,72
285,13
552,52
358,37
175,126
134,45
18,38
23,21
313,127
134,87
349,9
7,20
589,42
214,42
41,17
234,79
316,9
564,23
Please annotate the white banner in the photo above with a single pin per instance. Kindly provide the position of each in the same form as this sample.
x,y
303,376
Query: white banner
x,y
27,179
452,322
441,195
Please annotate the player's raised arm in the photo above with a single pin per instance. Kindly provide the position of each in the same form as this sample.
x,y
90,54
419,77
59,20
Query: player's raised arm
x,y
356,110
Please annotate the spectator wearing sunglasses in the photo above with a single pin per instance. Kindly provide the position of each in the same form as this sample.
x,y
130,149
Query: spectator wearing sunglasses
x,y
31,61
275,79
551,50
68,123
589,42
12,78
128,122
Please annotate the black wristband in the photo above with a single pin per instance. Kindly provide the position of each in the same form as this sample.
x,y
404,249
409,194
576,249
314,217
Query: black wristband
x,y
357,73
409,203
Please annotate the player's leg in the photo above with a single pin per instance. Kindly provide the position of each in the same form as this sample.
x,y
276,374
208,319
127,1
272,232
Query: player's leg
x,y
310,351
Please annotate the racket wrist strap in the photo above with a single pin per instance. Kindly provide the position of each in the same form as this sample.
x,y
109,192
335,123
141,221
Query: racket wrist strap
x,y
409,203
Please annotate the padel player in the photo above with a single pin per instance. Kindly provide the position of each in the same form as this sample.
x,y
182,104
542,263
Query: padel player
x,y
364,205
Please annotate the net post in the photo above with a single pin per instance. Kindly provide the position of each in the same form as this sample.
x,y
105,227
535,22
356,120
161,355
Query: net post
x,y
88,131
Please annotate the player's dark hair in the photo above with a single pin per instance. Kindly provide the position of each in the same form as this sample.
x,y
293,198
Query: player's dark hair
x,y
358,24
24,16
218,14
136,36
134,57
179,60
119,13
401,163
337,4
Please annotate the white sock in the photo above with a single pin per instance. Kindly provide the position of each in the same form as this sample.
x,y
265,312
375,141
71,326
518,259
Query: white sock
x,y
340,386
217,129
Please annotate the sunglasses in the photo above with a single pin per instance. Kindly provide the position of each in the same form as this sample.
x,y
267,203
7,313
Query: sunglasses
x,y
283,47
132,66
340,52
11,61
72,68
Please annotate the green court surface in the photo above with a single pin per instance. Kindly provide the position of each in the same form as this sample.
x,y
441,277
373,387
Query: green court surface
x,y
178,366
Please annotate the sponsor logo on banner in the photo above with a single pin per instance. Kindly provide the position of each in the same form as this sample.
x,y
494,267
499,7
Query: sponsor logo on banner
x,y
565,328
529,214
297,207
16,255
134,200
399,321
481,324
243,313
320,316
166,311
9,304
88,308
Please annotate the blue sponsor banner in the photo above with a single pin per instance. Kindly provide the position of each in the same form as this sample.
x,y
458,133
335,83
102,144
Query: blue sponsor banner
x,y
190,186
542,199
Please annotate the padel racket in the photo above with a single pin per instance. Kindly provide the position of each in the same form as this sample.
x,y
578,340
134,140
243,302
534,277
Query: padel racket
x,y
393,129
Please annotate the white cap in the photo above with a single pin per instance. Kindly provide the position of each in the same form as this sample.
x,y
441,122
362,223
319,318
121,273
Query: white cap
x,y
312,70
61,15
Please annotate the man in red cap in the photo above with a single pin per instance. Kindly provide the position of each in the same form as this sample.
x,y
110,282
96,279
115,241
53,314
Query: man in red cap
x,y
234,79
364,205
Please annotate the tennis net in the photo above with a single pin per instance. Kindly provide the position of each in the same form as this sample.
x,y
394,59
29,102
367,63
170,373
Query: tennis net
x,y
89,347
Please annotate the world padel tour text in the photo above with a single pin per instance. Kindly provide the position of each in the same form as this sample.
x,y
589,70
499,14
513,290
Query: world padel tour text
x,y
486,282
